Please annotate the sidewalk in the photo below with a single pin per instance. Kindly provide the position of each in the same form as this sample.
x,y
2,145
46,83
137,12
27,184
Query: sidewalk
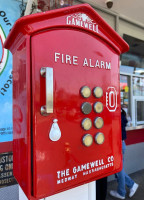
x,y
138,177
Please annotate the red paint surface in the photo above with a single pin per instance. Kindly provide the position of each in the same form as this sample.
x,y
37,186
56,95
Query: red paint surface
x,y
135,136
6,147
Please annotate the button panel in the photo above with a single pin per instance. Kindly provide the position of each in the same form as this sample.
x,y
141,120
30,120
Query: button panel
x,y
86,109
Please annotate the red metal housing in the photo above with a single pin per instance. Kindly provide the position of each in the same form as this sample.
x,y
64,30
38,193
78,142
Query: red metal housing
x,y
82,50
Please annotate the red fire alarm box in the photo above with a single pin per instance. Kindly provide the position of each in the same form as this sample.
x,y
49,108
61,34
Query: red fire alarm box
x,y
66,100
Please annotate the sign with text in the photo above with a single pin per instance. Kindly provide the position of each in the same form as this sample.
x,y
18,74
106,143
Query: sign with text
x,y
9,12
6,170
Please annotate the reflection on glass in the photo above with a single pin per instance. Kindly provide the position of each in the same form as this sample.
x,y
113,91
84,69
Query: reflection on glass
x,y
124,88
139,71
132,63
126,69
134,58
138,86
125,96
140,114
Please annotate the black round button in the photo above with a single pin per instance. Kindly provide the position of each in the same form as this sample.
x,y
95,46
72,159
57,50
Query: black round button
x,y
86,108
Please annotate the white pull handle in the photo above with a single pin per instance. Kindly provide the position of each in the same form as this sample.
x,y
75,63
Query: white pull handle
x,y
47,72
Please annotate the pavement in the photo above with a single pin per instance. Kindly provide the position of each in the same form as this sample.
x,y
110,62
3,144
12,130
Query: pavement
x,y
138,177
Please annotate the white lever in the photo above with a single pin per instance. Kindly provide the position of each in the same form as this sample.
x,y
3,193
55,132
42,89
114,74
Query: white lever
x,y
55,133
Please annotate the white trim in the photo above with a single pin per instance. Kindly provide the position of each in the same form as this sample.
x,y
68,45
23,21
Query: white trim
x,y
92,191
129,74
85,192
22,196
135,99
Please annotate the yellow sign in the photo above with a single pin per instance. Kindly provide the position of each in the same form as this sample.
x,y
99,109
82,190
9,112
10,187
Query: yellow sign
x,y
126,89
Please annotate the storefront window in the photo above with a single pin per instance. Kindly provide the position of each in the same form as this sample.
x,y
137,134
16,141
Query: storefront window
x,y
133,61
125,95
132,64
138,86
132,81
139,112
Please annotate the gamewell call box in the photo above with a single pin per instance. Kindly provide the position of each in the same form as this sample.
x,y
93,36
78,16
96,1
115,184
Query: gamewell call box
x,y
66,99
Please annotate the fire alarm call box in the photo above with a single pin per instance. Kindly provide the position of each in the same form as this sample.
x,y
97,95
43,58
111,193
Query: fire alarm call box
x,y
66,99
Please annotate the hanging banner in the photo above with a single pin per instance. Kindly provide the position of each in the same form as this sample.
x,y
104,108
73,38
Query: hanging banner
x,y
9,12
